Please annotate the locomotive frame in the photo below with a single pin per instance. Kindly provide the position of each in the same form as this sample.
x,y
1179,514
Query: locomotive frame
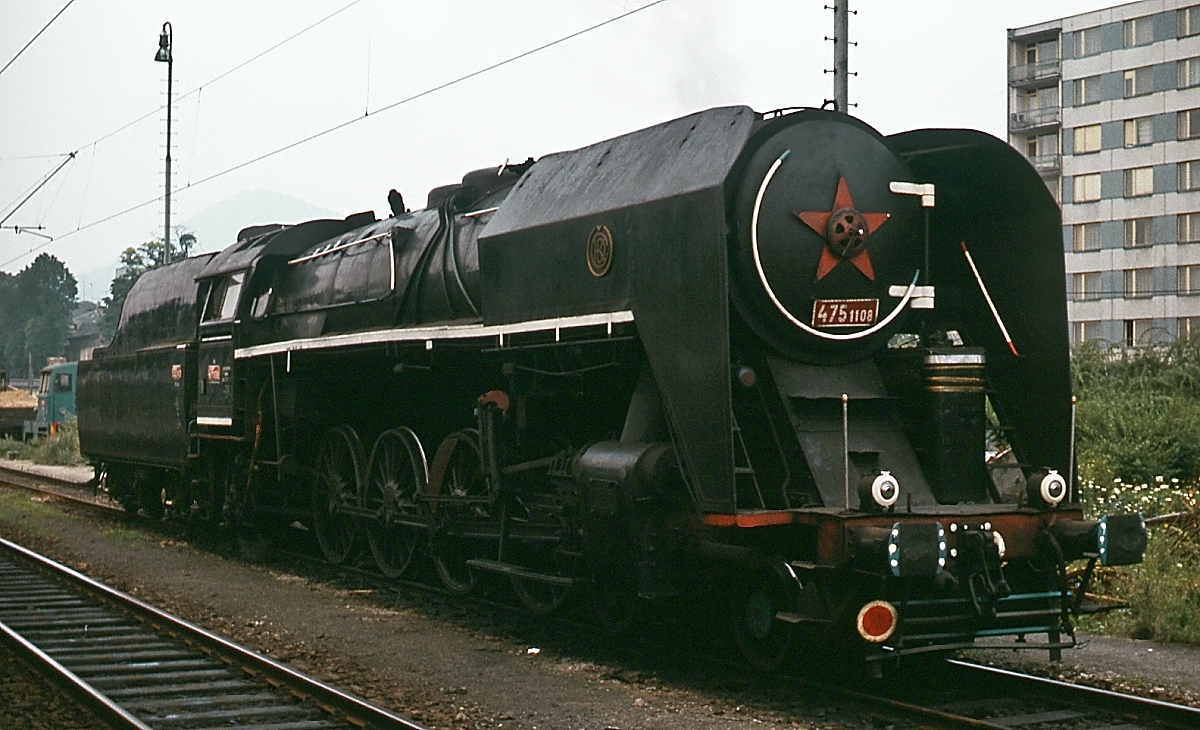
x,y
613,368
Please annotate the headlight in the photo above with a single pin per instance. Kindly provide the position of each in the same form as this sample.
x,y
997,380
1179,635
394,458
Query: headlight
x,y
878,491
885,490
1053,488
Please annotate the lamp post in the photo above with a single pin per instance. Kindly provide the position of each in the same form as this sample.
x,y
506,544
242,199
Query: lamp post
x,y
164,55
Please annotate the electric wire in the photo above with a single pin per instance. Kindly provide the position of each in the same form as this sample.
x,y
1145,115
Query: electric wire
x,y
35,37
349,122
218,77
87,183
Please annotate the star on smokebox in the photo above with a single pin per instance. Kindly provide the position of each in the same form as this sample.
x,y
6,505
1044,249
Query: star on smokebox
x,y
845,231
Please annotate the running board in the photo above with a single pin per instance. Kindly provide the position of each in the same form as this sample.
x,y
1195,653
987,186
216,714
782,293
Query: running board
x,y
515,571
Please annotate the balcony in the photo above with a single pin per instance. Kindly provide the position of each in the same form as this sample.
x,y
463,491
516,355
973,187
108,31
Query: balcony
x,y
1046,164
1034,74
1047,116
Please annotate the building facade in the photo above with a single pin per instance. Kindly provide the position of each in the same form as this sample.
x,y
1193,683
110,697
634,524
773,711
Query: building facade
x,y
1106,105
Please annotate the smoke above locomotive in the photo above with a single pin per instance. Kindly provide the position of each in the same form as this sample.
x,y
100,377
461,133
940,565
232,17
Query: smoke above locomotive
x,y
812,375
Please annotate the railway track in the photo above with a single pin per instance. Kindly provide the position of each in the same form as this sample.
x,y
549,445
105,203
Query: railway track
x,y
971,695
137,667
962,694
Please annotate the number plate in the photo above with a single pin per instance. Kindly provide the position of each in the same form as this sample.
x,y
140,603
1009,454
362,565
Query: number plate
x,y
845,312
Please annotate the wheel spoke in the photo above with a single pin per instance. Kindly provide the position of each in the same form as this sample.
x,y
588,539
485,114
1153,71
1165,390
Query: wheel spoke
x,y
336,483
396,457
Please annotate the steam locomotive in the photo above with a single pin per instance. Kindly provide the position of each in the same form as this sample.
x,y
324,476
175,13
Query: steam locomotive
x,y
778,360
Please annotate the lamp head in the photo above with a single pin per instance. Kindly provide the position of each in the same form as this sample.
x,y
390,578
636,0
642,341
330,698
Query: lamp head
x,y
164,44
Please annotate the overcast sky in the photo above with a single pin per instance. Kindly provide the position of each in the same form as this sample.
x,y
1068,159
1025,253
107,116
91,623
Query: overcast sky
x,y
920,63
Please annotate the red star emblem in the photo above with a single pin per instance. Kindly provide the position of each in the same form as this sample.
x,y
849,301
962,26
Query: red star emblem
x,y
845,231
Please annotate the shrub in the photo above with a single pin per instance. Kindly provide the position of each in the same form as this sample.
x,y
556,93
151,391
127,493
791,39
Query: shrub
x,y
1138,413
1164,591
61,449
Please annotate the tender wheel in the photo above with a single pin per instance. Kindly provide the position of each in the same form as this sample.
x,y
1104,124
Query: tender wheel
x,y
338,474
396,479
764,640
458,472
149,494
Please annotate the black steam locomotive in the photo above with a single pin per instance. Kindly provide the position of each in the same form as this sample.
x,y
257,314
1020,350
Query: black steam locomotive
x,y
779,360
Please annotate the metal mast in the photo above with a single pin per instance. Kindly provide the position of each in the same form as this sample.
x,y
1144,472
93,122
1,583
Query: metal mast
x,y
165,55
841,55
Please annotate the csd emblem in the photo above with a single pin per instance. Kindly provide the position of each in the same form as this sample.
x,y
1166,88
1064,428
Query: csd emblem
x,y
599,251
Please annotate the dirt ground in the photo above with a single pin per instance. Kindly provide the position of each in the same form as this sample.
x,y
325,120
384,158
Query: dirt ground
x,y
449,664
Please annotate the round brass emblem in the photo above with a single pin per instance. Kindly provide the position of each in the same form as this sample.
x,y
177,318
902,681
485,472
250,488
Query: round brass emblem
x,y
599,251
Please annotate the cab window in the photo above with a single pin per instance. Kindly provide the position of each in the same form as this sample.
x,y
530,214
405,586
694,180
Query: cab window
x,y
62,383
223,298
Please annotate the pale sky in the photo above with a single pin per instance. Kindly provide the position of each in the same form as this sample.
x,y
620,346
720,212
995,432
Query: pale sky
x,y
920,63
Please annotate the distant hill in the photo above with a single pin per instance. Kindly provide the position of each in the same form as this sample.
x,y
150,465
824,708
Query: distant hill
x,y
216,227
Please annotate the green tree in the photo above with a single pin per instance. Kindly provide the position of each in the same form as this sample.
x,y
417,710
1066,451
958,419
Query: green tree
x,y
35,312
134,263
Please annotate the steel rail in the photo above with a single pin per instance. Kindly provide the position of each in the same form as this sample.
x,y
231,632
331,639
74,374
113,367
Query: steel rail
x,y
62,624
57,487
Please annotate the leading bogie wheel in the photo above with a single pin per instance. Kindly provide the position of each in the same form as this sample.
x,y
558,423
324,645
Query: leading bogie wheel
x,y
765,640
397,476
338,475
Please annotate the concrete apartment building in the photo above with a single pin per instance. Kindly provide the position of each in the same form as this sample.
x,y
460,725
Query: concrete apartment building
x,y
1106,105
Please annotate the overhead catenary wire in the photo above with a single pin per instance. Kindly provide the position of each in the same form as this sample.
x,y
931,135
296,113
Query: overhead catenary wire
x,y
36,35
222,75
349,122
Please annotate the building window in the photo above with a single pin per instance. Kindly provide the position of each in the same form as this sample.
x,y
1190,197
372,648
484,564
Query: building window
x,y
1087,90
1135,331
1086,236
1087,187
1188,123
1139,81
1139,283
1041,98
1139,31
1187,280
1085,286
1139,131
1187,227
1187,328
1187,21
1087,41
1083,331
1087,139
1188,174
1139,181
1139,232
1187,72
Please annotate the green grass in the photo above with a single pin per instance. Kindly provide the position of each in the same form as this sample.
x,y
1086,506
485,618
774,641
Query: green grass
x,y
19,509
123,534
